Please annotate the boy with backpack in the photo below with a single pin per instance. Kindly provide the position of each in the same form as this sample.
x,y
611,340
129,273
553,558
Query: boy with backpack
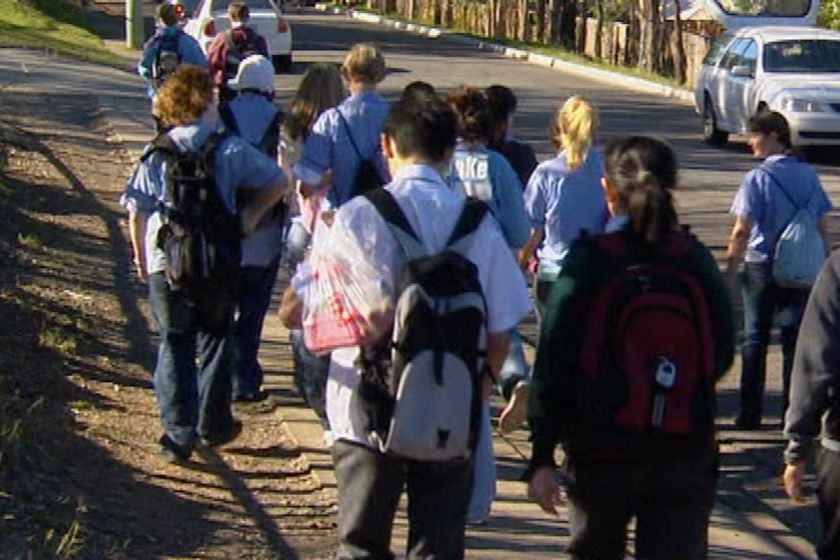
x,y
409,417
186,232
773,201
230,48
165,51
253,116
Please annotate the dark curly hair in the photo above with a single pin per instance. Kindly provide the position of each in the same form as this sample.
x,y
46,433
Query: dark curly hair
x,y
473,112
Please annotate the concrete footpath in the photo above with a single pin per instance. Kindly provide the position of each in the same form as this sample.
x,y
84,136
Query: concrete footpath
x,y
751,518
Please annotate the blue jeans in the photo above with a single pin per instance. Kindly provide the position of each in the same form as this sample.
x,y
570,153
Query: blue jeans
x,y
484,471
253,298
762,299
193,396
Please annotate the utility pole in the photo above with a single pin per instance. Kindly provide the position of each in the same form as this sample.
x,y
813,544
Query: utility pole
x,y
133,24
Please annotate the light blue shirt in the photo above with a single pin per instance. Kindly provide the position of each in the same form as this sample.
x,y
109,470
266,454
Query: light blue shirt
x,y
486,175
328,146
563,203
237,165
254,113
761,201
188,48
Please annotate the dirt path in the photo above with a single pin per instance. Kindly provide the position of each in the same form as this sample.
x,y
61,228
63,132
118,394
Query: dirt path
x,y
79,473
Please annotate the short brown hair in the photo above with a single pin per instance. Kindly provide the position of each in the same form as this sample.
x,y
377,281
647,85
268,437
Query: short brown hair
x,y
364,63
470,105
166,14
184,96
238,11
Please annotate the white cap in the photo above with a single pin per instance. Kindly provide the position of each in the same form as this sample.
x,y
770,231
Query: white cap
x,y
255,72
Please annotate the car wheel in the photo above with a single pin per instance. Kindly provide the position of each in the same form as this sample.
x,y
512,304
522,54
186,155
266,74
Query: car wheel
x,y
282,62
711,133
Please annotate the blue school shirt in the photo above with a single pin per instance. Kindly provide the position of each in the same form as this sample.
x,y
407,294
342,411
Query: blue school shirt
x,y
253,114
328,146
237,165
760,200
563,202
485,174
188,48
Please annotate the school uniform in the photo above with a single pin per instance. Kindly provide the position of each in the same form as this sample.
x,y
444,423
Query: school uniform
x,y
188,48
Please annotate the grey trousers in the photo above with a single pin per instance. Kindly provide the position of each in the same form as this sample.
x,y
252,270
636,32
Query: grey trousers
x,y
369,489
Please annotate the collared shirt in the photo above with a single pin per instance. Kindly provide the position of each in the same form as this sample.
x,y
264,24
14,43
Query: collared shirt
x,y
485,174
254,114
761,200
188,48
237,165
328,146
432,209
563,202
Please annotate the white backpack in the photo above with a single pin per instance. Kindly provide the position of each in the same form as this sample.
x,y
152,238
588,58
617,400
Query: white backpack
x,y
800,250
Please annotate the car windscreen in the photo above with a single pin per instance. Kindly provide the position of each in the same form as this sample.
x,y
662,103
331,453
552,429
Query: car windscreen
x,y
765,8
717,48
802,56
219,5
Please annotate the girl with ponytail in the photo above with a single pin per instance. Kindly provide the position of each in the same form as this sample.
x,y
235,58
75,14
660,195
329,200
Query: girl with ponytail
x,y
636,317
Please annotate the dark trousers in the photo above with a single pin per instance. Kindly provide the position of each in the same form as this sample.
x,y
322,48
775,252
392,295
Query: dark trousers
x,y
762,299
310,374
253,299
671,501
369,488
192,374
828,498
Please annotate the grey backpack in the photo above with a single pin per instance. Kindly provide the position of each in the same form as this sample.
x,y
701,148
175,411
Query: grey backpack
x,y
422,394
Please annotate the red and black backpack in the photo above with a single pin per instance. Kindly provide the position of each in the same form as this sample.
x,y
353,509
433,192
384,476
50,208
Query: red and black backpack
x,y
647,354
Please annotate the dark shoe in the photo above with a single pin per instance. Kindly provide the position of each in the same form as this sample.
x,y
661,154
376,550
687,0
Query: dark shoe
x,y
258,396
747,424
173,452
215,440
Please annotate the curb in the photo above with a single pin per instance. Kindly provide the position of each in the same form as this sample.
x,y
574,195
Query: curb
x,y
604,76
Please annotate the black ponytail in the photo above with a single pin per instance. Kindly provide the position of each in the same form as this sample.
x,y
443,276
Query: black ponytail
x,y
644,171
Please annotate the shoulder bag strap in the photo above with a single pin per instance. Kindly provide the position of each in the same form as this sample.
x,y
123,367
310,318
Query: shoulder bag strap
x,y
398,223
350,134
471,217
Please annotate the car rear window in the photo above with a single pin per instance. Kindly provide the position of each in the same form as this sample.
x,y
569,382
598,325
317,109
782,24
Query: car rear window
x,y
802,56
766,8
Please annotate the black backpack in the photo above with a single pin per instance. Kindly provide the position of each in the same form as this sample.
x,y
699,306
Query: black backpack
x,y
422,393
167,57
367,177
239,51
199,236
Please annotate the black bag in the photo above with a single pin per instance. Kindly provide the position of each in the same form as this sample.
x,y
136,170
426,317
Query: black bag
x,y
200,238
237,51
167,57
422,393
367,177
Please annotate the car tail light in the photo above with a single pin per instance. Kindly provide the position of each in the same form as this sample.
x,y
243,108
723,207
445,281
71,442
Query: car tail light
x,y
209,29
179,10
282,26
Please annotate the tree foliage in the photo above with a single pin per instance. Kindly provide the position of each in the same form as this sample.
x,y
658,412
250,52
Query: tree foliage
x,y
830,14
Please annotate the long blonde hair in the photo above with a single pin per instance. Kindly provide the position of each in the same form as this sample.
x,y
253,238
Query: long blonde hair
x,y
320,89
573,129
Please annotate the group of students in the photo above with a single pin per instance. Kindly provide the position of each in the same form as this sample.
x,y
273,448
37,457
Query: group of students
x,y
636,319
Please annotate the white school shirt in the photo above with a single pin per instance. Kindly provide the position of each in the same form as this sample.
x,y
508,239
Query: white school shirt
x,y
432,208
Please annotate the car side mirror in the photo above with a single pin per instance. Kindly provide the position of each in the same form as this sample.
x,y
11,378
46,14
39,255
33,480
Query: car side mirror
x,y
742,71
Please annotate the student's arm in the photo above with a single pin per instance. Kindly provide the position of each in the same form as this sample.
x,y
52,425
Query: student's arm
x,y
736,247
216,55
748,209
315,160
137,233
527,253
535,208
508,192
291,309
267,197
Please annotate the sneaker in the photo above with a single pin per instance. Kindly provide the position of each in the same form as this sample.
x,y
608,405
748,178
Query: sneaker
x,y
516,410
216,440
173,452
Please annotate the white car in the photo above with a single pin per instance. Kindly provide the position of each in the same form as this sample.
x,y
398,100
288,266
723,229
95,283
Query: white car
x,y
792,70
211,17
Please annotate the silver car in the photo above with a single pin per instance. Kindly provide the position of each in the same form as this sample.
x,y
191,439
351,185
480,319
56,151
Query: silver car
x,y
792,70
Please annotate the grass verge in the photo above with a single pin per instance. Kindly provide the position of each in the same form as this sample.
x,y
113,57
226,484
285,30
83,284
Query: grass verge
x,y
55,25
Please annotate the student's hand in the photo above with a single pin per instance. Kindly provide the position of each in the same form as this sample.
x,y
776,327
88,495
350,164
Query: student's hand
x,y
140,268
544,489
327,217
291,309
792,481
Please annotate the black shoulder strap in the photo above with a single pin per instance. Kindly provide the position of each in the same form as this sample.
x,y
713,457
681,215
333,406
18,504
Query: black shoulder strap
x,y
350,134
207,152
471,217
273,128
160,143
387,206
227,116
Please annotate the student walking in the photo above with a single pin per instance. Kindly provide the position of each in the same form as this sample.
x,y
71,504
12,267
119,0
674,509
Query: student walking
x,y
164,52
766,202
502,103
419,137
814,412
253,116
636,332
181,204
564,197
345,139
